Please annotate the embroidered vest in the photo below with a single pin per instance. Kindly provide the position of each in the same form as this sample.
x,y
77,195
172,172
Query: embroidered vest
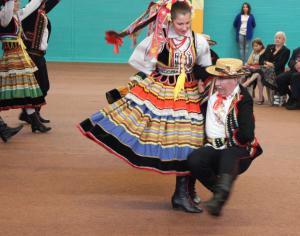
x,y
33,39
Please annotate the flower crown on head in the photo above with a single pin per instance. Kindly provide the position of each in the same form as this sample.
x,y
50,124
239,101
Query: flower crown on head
x,y
157,16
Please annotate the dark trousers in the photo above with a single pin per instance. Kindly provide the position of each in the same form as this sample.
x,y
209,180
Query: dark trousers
x,y
42,74
289,83
207,163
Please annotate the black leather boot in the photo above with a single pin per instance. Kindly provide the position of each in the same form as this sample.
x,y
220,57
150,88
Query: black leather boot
x,y
37,110
221,194
294,105
36,124
192,190
24,117
181,198
6,132
209,182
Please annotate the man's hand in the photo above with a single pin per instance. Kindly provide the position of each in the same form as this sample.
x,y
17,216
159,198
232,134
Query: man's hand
x,y
201,86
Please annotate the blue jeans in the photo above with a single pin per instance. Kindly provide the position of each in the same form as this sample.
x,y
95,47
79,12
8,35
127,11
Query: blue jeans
x,y
244,47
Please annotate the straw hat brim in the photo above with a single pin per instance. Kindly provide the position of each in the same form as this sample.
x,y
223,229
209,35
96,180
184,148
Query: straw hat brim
x,y
212,70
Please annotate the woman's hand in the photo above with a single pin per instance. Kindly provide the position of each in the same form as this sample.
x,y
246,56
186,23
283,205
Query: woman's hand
x,y
269,64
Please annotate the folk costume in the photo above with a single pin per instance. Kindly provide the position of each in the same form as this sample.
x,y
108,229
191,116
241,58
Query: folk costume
x,y
37,31
230,144
117,93
6,14
159,122
18,86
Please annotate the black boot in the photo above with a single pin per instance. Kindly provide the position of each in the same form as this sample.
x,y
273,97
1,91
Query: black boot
x,y
37,110
181,198
221,194
36,124
290,101
24,117
6,132
294,105
209,182
192,190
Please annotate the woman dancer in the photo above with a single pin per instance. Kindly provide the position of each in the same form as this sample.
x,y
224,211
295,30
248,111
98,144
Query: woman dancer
x,y
159,122
18,86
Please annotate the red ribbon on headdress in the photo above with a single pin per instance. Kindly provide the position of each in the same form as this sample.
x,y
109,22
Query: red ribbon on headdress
x,y
158,35
157,16
112,37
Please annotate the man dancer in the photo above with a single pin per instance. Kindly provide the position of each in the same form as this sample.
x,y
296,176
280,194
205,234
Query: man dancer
x,y
230,141
37,30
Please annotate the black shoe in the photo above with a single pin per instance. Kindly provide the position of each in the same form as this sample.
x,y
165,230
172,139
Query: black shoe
x,y
221,194
24,117
38,111
181,199
36,124
289,102
113,96
42,119
6,132
293,106
192,191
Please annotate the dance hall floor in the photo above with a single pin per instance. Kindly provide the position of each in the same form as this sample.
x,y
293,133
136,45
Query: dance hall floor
x,y
60,183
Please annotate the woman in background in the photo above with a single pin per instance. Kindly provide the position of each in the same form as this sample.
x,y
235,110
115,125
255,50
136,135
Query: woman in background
x,y
244,23
6,15
18,86
273,61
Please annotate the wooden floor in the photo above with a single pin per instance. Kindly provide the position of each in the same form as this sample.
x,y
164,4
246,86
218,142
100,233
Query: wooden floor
x,y
60,183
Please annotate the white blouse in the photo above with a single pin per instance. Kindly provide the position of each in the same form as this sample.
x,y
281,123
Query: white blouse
x,y
28,9
6,13
140,61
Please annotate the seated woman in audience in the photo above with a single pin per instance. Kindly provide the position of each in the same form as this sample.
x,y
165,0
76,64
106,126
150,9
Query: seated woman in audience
x,y
273,62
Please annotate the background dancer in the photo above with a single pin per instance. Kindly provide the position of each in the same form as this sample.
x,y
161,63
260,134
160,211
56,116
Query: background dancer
x,y
18,86
37,31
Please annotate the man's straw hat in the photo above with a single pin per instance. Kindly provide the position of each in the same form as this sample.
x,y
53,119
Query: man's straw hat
x,y
227,67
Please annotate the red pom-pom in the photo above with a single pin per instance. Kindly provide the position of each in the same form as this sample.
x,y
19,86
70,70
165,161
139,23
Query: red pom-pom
x,y
113,37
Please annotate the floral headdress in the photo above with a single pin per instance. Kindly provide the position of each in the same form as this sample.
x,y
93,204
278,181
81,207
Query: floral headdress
x,y
157,17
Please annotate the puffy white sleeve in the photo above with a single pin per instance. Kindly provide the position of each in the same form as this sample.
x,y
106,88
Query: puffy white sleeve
x,y
203,51
139,59
6,13
29,8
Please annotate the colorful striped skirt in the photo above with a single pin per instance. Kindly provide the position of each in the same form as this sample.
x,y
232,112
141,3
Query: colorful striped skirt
x,y
18,86
149,129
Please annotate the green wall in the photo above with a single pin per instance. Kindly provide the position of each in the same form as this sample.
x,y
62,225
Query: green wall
x,y
79,26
